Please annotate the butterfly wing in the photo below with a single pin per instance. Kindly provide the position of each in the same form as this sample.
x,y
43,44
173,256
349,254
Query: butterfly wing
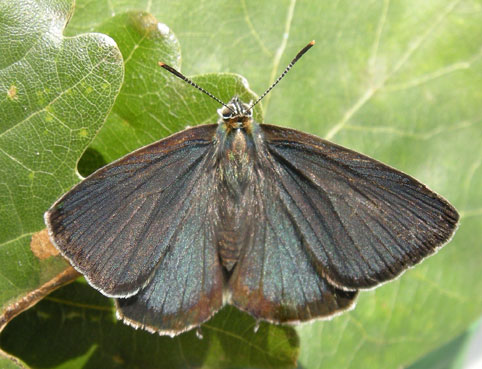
x,y
363,222
187,284
276,279
118,224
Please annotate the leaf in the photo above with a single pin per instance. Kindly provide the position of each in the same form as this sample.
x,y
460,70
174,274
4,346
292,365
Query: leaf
x,y
452,355
397,81
153,103
56,93
10,362
59,320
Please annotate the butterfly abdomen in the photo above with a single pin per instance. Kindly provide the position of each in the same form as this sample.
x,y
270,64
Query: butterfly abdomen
x,y
232,230
236,168
229,248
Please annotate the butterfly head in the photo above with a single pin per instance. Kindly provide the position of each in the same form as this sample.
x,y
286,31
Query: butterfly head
x,y
236,114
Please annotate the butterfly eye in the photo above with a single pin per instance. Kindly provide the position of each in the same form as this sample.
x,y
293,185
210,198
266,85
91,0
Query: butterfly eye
x,y
227,114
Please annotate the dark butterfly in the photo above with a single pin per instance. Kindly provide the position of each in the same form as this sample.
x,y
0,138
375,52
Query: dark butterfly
x,y
279,223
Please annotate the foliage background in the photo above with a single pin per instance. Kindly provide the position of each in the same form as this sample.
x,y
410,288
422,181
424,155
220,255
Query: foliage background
x,y
397,80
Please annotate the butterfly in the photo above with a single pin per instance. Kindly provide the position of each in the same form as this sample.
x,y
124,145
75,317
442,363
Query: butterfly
x,y
284,225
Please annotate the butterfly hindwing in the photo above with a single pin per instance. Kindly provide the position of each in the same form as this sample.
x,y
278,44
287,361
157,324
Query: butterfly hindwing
x,y
186,286
275,278
362,221
118,223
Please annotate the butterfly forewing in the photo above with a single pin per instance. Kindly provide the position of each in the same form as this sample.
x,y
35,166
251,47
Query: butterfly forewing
x,y
117,224
362,222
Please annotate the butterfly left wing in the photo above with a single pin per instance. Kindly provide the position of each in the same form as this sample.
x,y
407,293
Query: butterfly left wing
x,y
186,286
117,224
143,227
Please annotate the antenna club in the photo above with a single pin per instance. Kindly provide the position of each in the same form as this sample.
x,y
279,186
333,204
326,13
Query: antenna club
x,y
161,64
290,65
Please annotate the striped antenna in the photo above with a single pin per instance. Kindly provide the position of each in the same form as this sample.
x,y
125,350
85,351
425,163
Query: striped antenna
x,y
184,78
290,65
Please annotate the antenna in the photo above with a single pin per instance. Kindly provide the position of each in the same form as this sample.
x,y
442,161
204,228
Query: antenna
x,y
184,78
290,65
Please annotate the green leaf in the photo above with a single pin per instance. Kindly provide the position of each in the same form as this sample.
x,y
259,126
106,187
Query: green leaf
x,y
56,93
399,81
153,103
452,355
10,362
50,338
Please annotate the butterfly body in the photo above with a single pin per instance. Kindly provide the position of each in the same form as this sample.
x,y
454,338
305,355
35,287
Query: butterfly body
x,y
237,147
235,159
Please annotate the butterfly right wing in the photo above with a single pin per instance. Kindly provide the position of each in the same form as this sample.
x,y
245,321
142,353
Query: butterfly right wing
x,y
363,221
117,224
275,278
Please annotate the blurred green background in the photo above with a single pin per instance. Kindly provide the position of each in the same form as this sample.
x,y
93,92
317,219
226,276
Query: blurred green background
x,y
400,81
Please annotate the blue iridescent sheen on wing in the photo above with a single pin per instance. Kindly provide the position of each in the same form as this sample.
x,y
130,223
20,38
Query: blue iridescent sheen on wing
x,y
186,286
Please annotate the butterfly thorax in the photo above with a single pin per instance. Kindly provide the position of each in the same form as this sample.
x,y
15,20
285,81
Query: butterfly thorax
x,y
236,157
236,146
